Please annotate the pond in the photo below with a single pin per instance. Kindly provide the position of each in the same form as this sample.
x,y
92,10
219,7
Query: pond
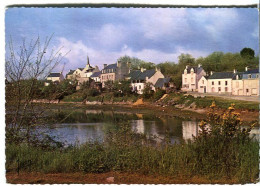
x,y
78,126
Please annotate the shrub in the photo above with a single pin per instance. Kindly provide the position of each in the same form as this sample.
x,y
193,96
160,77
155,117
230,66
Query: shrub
x,y
158,94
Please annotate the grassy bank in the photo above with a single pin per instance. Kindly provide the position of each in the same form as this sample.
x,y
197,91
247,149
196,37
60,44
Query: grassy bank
x,y
172,160
205,102
225,153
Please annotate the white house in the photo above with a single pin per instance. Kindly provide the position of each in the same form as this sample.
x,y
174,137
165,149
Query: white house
x,y
191,76
140,77
221,82
96,76
203,84
237,84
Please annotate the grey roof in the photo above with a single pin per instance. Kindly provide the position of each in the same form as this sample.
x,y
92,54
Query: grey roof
x,y
138,75
134,74
71,72
222,75
146,73
252,71
196,69
81,68
96,74
161,81
239,74
111,66
55,74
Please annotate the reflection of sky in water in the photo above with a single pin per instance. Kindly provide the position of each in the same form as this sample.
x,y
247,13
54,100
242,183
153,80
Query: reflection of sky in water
x,y
80,132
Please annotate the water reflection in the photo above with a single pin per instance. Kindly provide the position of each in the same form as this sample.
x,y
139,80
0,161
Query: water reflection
x,y
80,126
190,129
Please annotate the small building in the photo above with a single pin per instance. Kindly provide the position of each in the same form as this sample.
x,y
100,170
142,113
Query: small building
x,y
114,72
203,84
55,77
140,77
165,84
250,80
238,84
191,76
96,76
82,74
221,82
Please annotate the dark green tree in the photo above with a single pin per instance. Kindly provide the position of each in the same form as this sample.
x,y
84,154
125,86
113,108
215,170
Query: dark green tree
x,y
247,53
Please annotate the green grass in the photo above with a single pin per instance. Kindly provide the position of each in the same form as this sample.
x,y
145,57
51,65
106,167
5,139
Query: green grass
x,y
127,151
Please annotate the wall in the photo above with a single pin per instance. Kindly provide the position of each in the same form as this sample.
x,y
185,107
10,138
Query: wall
x,y
251,87
222,85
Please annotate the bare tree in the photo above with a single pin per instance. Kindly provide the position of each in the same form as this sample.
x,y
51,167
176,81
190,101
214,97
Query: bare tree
x,y
23,69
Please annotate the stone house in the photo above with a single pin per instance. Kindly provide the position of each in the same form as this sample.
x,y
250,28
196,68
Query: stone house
x,y
191,76
141,77
250,80
55,77
114,72
96,76
82,74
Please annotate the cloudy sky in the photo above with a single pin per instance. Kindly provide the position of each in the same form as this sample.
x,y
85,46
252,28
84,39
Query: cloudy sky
x,y
152,34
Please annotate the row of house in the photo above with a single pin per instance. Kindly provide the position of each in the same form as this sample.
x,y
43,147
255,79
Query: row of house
x,y
233,83
117,72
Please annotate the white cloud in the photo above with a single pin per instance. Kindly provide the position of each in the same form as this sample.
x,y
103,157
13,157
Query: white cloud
x,y
161,22
77,56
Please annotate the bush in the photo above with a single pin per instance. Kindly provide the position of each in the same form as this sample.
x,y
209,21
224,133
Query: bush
x,y
158,94
90,93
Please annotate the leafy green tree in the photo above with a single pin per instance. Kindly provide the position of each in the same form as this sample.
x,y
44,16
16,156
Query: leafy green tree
x,y
123,87
137,63
247,53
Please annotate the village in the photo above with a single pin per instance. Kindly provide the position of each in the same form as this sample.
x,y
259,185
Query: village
x,y
194,79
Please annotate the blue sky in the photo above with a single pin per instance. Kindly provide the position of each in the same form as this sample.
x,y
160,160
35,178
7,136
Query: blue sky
x,y
152,34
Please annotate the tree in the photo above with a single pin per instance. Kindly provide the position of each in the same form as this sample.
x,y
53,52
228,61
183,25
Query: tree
x,y
137,63
247,53
123,87
23,69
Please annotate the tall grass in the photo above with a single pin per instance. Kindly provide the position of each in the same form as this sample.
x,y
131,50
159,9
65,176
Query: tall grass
x,y
222,150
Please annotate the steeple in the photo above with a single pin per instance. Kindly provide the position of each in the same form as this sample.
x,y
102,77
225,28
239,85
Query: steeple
x,y
88,61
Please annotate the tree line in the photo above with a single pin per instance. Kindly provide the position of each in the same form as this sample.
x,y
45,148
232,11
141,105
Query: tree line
x,y
216,62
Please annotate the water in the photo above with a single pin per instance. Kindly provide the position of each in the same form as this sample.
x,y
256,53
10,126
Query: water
x,y
81,125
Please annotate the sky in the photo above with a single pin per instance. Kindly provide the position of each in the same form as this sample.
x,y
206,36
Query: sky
x,y
151,34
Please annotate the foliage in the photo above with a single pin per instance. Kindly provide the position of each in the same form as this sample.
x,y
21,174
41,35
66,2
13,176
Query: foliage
x,y
147,92
137,63
158,94
221,143
23,69
122,88
247,53
109,85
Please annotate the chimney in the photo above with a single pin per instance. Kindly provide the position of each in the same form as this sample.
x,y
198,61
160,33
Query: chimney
x,y
235,71
105,65
118,63
211,72
142,69
246,69
157,69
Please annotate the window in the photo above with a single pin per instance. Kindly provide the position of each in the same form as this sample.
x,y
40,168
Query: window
x,y
140,87
212,83
237,84
226,83
192,80
249,76
202,81
219,89
247,90
219,82
257,76
226,89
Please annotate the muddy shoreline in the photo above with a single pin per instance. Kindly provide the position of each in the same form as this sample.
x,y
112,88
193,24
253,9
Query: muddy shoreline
x,y
147,107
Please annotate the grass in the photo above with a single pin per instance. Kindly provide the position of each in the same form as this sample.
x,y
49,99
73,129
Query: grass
x,y
205,102
130,152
